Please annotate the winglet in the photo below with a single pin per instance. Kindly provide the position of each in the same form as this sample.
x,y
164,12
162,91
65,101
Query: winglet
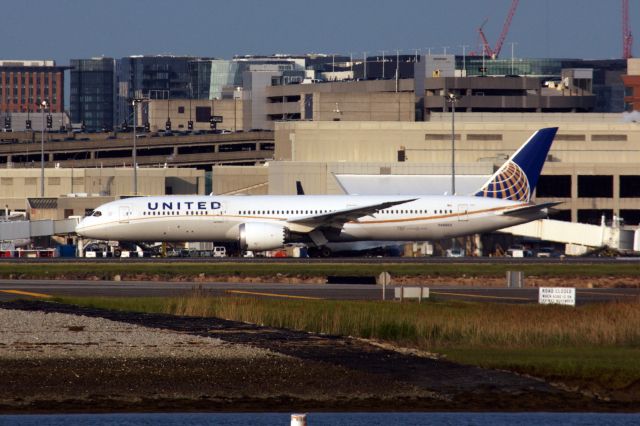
x,y
517,177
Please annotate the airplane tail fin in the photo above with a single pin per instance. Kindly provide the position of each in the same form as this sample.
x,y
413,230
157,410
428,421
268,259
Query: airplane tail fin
x,y
517,177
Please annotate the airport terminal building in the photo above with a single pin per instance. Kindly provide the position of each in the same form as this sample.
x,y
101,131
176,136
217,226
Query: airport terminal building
x,y
592,167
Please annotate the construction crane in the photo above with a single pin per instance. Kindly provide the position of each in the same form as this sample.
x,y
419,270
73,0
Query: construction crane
x,y
627,38
495,52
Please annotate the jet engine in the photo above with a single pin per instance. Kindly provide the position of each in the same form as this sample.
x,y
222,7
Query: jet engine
x,y
262,236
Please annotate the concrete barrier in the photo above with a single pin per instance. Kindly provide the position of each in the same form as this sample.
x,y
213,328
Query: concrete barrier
x,y
348,279
419,293
515,279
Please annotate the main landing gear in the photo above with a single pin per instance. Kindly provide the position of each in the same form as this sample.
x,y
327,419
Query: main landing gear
x,y
322,251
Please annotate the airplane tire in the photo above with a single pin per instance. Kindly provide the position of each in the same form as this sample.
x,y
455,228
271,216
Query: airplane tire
x,y
325,251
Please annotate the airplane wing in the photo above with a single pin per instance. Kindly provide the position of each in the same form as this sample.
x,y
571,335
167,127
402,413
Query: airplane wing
x,y
338,218
520,211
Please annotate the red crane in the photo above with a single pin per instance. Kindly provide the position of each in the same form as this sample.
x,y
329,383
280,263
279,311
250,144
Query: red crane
x,y
627,38
495,52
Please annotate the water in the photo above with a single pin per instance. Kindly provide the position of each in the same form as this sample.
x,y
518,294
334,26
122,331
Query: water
x,y
325,419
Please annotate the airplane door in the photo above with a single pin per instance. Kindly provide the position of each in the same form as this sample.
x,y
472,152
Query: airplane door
x,y
218,213
124,214
463,212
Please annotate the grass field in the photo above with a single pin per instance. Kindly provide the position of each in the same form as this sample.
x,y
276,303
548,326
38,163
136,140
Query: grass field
x,y
598,344
167,271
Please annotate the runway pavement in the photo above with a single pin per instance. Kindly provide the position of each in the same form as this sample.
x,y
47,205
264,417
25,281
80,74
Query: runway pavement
x,y
12,289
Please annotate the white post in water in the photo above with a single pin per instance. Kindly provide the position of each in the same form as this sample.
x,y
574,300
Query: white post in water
x,y
298,420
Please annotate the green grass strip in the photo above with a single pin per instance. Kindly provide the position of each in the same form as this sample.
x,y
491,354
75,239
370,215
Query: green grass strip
x,y
160,270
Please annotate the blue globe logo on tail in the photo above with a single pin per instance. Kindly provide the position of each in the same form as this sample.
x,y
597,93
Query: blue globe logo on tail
x,y
517,178
510,183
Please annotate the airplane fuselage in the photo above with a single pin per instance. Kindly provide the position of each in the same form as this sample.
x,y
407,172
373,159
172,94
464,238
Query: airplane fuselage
x,y
220,218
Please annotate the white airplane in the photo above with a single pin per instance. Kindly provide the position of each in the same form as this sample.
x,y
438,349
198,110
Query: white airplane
x,y
265,222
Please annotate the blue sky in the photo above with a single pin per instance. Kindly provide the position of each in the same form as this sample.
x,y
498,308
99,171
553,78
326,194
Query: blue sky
x,y
64,29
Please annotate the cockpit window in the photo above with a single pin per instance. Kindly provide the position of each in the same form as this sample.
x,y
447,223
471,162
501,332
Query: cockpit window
x,y
97,213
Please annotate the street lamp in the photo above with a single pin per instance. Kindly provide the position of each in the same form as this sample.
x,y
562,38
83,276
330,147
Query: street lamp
x,y
43,107
452,98
135,101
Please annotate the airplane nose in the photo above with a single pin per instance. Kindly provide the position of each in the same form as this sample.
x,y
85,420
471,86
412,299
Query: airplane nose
x,y
81,226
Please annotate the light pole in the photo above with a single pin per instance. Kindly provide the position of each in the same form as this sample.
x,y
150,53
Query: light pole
x,y
452,99
43,107
364,61
464,60
135,101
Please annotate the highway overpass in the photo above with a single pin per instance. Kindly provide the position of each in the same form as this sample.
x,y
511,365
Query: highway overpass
x,y
22,149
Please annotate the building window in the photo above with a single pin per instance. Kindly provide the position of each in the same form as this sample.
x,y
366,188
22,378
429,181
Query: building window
x,y
6,181
554,186
629,186
53,181
595,186
439,137
594,216
180,110
608,138
631,217
480,137
563,215
30,181
561,137
203,114
308,106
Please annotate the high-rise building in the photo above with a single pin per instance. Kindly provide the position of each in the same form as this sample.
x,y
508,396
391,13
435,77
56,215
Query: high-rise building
x,y
152,77
93,93
25,84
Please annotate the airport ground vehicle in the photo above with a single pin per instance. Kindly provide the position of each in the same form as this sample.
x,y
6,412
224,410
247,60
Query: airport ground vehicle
x,y
455,252
519,250
547,252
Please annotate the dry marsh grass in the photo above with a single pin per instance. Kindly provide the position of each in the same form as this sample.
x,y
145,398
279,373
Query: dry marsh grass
x,y
431,325
596,345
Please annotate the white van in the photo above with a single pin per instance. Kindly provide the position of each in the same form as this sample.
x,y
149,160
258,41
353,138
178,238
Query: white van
x,y
219,251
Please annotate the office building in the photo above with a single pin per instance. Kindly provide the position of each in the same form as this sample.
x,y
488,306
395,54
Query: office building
x,y
92,97
25,84
150,77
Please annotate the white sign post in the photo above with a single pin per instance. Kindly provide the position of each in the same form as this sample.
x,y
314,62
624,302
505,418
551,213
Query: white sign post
x,y
557,295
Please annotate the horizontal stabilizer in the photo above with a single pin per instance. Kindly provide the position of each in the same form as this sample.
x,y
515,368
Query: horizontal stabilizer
x,y
523,211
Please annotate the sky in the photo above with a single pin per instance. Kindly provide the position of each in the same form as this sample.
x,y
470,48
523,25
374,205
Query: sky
x,y
66,29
